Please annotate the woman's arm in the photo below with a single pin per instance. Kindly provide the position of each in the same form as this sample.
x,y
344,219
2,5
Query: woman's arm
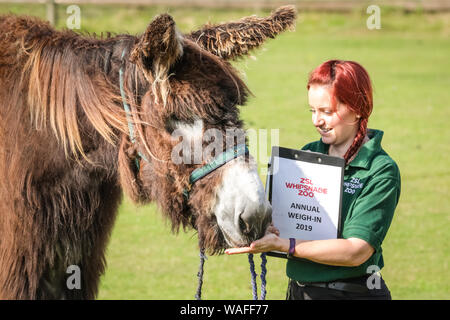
x,y
350,252
337,252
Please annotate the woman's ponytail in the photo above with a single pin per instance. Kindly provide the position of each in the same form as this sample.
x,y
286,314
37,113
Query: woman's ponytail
x,y
358,141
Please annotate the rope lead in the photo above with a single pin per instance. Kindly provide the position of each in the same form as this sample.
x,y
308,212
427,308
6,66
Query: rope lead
x,y
254,275
253,279
263,276
198,295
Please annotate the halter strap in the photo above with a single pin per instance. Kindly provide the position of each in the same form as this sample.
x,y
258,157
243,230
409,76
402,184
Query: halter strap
x,y
127,109
217,162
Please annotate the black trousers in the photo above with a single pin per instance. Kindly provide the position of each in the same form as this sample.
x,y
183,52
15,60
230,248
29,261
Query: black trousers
x,y
304,291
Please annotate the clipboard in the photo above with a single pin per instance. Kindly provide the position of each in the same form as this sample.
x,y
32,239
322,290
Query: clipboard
x,y
305,191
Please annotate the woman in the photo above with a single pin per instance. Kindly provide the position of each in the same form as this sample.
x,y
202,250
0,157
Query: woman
x,y
340,98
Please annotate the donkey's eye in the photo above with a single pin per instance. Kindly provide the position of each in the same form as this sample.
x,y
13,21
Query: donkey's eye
x,y
192,129
170,125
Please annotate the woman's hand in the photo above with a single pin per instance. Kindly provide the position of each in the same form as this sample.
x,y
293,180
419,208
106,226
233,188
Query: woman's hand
x,y
269,242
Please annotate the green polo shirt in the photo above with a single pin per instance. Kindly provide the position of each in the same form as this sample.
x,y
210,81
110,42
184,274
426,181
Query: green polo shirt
x,y
371,192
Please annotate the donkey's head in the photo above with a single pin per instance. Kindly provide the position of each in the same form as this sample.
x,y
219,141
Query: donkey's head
x,y
188,117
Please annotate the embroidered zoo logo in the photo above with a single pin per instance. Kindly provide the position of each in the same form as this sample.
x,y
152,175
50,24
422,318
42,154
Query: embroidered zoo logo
x,y
306,188
353,185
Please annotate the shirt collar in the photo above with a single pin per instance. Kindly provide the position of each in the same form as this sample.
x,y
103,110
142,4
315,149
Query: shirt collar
x,y
366,152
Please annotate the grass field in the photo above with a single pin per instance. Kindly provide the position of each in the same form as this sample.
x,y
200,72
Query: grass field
x,y
408,60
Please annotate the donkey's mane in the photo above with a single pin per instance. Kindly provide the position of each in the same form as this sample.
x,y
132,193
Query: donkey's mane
x,y
65,73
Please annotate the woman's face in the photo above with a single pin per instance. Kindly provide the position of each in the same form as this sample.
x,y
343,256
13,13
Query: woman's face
x,y
337,127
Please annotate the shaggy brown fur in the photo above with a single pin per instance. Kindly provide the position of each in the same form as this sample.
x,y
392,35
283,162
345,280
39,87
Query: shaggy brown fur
x,y
65,153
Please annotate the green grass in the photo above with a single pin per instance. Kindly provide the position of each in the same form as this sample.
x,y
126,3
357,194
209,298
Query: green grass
x,y
409,65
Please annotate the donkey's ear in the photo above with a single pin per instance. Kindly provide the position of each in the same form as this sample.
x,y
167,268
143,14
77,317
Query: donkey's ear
x,y
235,39
158,48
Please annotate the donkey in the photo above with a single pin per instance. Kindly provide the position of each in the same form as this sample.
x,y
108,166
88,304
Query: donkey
x,y
86,118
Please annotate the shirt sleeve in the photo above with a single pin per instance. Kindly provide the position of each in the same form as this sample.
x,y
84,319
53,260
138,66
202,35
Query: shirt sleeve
x,y
373,211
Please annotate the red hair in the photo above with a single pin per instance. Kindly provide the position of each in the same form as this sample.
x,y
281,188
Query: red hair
x,y
350,84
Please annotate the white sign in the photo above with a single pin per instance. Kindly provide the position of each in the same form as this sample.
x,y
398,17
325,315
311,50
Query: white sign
x,y
305,191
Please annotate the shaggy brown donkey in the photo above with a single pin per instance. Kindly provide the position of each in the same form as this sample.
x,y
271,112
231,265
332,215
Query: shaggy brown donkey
x,y
66,151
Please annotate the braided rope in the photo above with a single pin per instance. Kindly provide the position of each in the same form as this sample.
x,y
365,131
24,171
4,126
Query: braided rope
x,y
198,295
254,275
263,276
253,279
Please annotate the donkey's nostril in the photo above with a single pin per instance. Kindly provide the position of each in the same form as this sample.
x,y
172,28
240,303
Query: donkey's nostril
x,y
243,226
246,222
